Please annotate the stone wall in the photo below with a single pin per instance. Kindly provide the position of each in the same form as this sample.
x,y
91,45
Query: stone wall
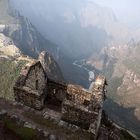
x,y
79,106
36,78
84,107
77,114
28,98
30,88
78,94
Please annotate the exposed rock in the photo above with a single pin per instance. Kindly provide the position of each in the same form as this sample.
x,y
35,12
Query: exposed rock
x,y
52,137
15,118
3,113
73,128
63,124
29,125
50,66
46,134
2,27
46,115
7,47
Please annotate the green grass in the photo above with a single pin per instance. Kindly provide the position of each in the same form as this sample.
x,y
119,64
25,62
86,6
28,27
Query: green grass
x,y
57,130
9,71
23,132
40,120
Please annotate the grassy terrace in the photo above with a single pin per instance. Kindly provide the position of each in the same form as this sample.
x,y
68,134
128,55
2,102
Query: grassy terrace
x,y
57,130
23,132
9,71
16,125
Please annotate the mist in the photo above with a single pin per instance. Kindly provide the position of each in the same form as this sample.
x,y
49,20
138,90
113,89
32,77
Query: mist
x,y
80,24
127,11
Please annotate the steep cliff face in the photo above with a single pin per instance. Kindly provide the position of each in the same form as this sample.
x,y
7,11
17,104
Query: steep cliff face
x,y
22,32
126,67
129,91
130,86
27,38
122,71
120,65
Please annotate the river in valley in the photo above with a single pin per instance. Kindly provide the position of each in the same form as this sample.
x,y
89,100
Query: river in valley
x,y
82,64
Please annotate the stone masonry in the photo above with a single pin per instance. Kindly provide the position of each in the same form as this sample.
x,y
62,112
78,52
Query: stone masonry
x,y
79,106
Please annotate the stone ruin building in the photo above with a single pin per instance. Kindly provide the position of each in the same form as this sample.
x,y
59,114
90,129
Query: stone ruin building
x,y
79,106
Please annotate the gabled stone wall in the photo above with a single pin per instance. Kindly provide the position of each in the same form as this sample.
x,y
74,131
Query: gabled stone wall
x,y
30,89
78,106
36,78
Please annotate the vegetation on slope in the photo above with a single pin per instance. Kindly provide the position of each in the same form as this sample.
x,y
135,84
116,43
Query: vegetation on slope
x,y
9,71
23,132
60,131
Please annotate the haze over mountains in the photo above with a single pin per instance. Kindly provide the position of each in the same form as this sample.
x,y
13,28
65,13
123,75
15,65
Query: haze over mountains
x,y
75,30
127,11
75,25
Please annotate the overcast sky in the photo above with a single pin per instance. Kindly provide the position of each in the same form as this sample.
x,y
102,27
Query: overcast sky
x,y
127,11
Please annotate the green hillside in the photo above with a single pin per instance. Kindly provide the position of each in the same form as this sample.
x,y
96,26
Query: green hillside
x,y
9,71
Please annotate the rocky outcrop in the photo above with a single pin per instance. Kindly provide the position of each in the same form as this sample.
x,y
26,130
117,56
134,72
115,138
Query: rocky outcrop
x,y
22,32
7,47
129,91
126,67
122,72
27,38
50,66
